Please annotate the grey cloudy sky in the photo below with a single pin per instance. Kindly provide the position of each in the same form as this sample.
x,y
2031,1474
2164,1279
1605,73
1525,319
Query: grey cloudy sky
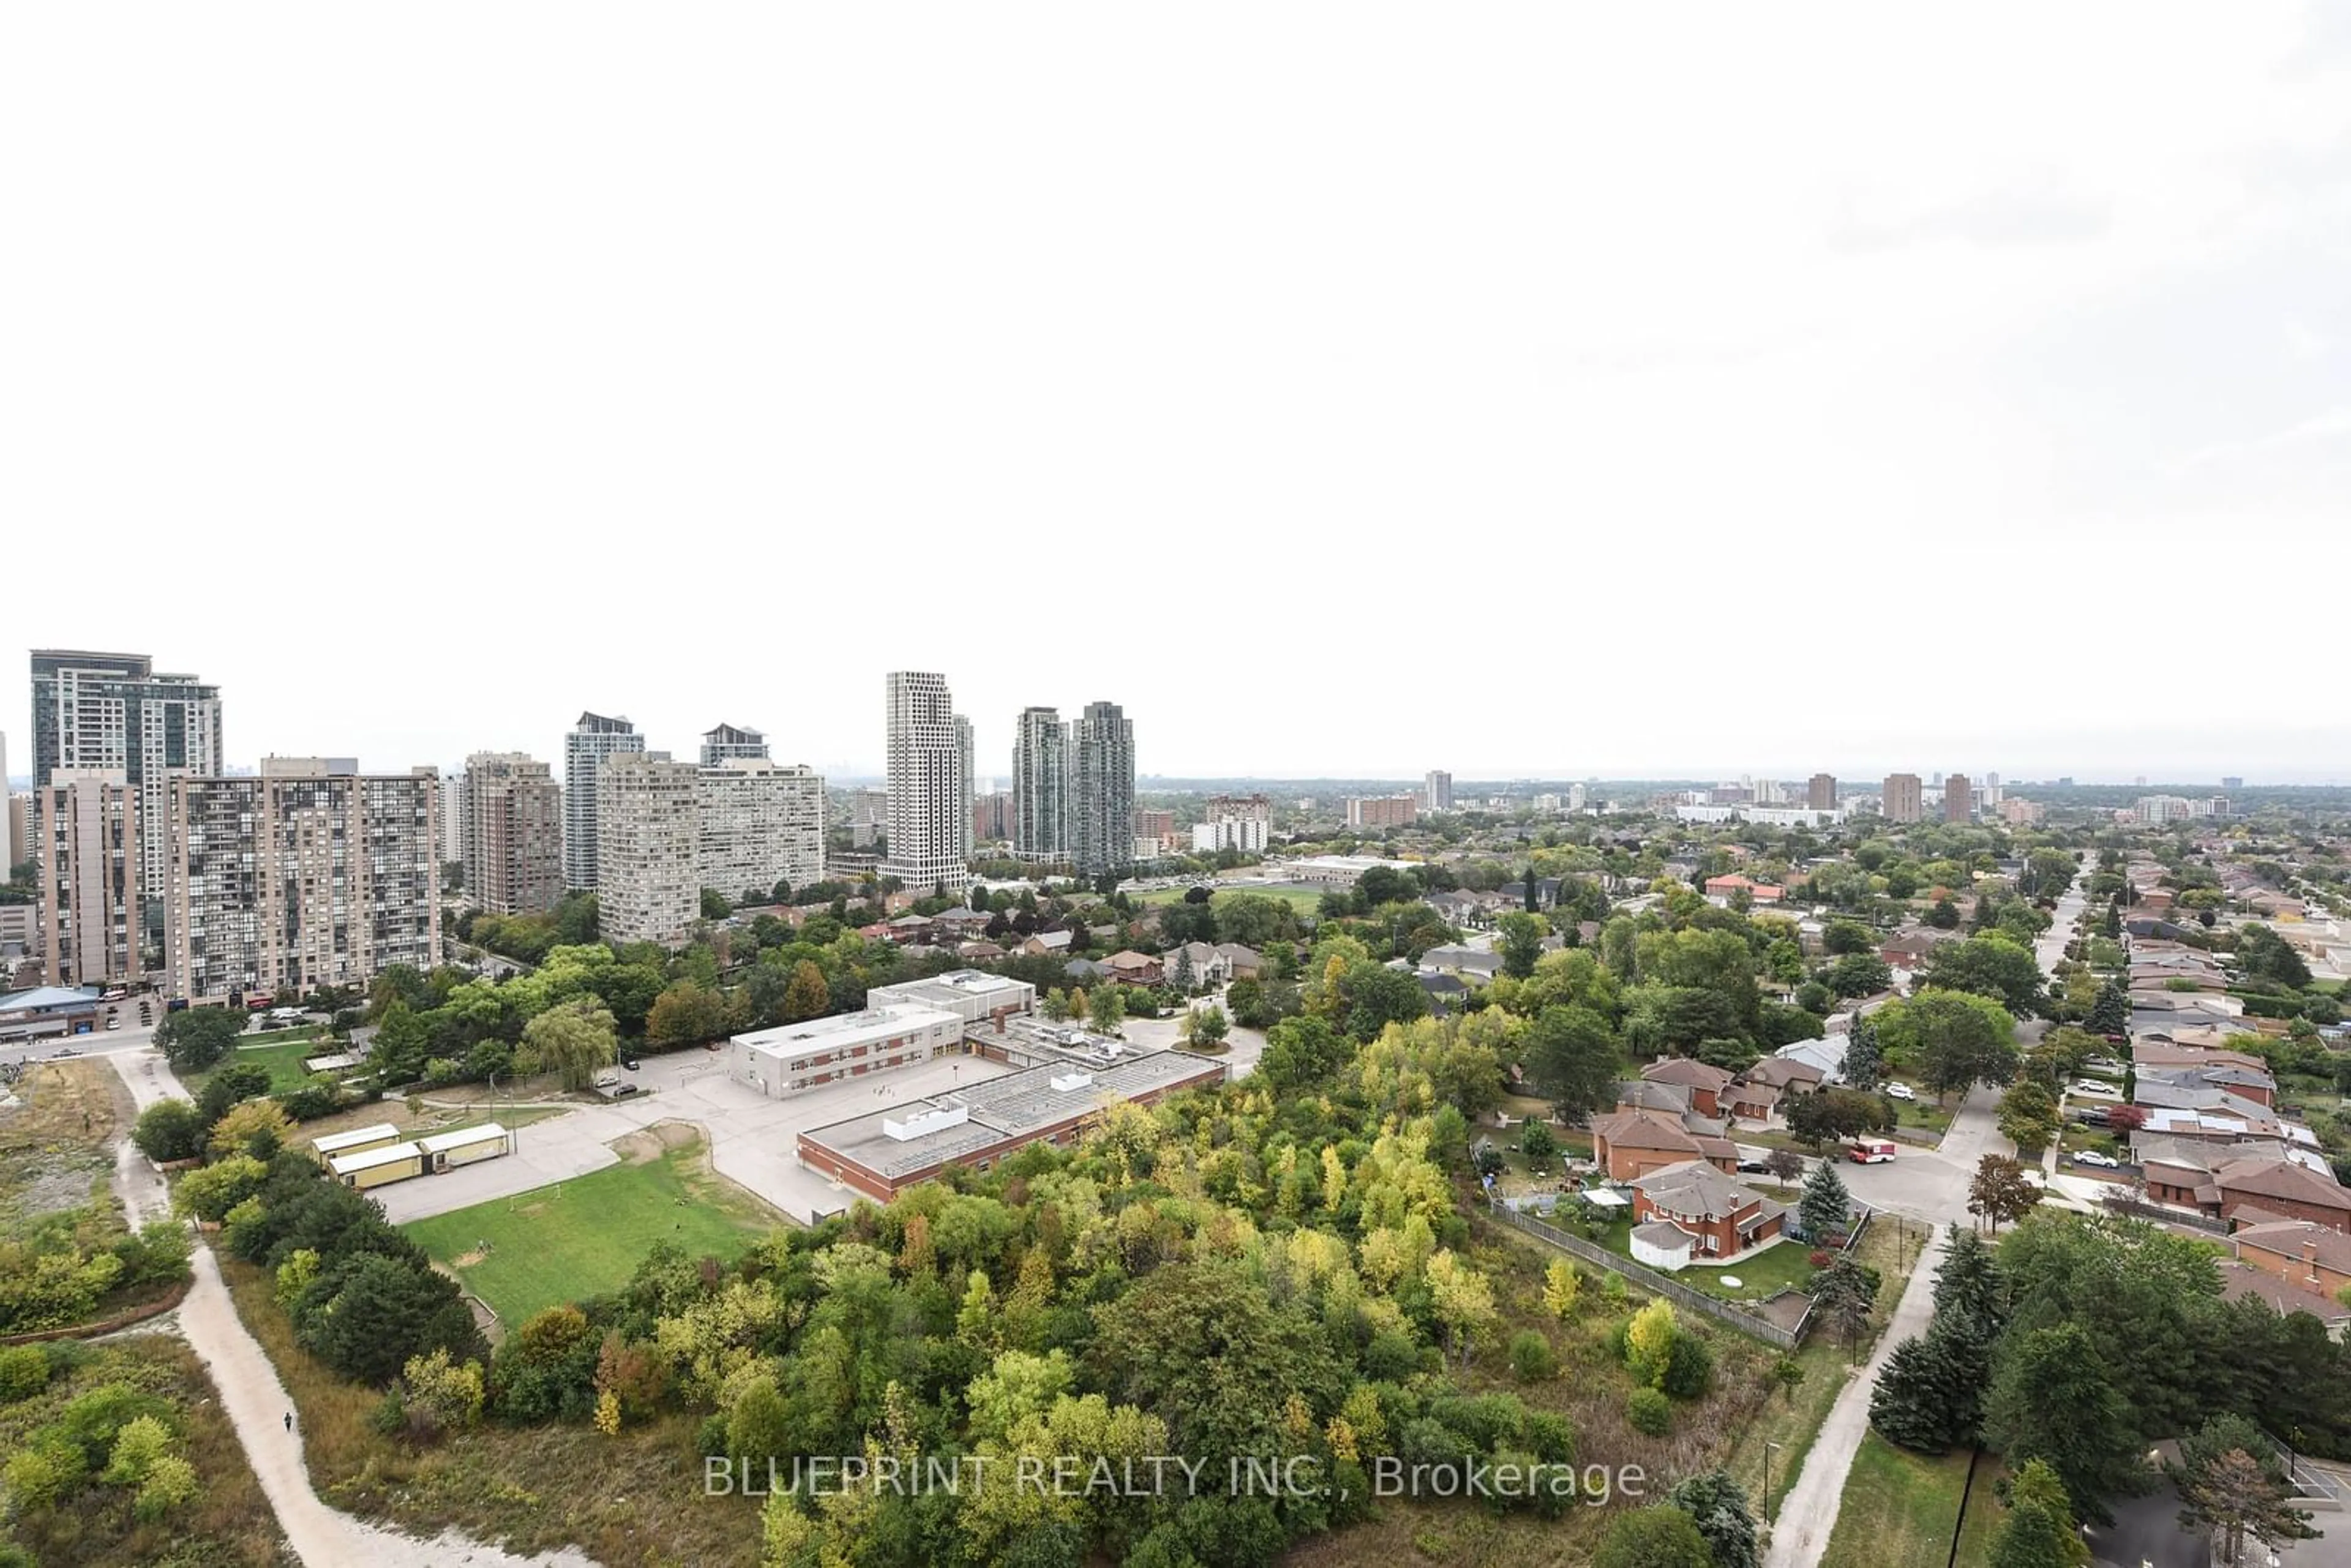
x,y
1346,389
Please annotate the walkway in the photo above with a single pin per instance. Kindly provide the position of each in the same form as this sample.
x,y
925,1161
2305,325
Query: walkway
x,y
256,1402
1807,1512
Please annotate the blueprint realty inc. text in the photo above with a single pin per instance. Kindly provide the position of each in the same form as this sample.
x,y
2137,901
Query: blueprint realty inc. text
x,y
1164,1475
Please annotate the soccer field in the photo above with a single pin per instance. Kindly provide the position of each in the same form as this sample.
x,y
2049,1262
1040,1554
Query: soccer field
x,y
584,1236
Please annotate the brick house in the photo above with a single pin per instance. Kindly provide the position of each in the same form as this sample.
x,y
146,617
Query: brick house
x,y
1785,1073
2315,1256
1629,1145
1721,1217
2281,1189
1704,1081
1750,1102
1132,969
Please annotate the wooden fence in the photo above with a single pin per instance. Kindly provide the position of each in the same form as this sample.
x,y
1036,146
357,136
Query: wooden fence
x,y
1650,1280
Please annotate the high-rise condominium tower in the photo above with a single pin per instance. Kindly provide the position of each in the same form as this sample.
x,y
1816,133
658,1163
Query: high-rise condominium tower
x,y
88,853
966,752
648,880
302,877
1820,795
929,814
511,833
726,741
1959,799
1040,786
1905,798
112,711
1437,790
758,823
1101,804
591,740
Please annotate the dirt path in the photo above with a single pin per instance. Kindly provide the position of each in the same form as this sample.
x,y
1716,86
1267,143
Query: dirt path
x,y
1808,1511
258,1404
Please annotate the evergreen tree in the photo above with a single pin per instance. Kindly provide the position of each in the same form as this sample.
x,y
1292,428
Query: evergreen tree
x,y
2052,1398
2039,1531
1911,1406
1826,1206
1717,1506
2110,1014
1864,1059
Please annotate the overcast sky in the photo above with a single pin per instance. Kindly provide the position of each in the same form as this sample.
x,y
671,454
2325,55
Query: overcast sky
x,y
1345,390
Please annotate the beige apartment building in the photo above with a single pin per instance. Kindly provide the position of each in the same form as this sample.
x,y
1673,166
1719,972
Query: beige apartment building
x,y
88,842
1905,798
648,879
1820,794
511,833
1959,799
1383,810
758,823
309,875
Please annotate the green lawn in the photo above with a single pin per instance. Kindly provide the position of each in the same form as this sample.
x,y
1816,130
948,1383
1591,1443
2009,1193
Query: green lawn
x,y
1899,1508
282,1054
586,1236
1306,900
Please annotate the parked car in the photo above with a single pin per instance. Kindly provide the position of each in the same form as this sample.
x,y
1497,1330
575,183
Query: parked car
x,y
2092,1086
2092,1157
1901,1092
1754,1167
63,1052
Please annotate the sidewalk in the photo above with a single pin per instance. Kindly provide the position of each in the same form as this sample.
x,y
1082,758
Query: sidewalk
x,y
256,1402
1808,1511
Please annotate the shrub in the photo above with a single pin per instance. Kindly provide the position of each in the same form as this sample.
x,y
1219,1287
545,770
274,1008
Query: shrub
x,y
35,1478
1649,1411
1531,1358
169,1130
143,1440
170,1483
23,1372
1689,1368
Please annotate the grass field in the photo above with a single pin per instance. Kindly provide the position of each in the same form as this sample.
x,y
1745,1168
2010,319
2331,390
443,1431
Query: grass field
x,y
1305,899
282,1056
1899,1508
586,1236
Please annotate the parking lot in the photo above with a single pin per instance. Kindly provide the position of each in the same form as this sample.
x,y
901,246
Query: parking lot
x,y
752,1138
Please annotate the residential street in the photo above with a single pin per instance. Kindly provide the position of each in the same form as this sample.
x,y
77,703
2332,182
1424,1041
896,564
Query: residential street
x,y
1808,1513
256,1402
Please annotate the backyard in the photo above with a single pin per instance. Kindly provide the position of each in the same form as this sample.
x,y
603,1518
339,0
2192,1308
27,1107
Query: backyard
x,y
585,1236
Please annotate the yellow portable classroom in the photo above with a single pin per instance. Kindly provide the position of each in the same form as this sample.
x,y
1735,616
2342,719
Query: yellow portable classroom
x,y
376,1168
359,1140
464,1145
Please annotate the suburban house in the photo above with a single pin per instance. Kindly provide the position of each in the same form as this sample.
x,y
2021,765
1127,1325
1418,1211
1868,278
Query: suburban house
x,y
1721,889
1130,968
1045,944
1629,1145
1206,965
1242,963
2241,1282
2265,1190
1704,1081
2315,1257
2187,1066
1721,1219
1787,1075
1909,948
1463,963
1750,1102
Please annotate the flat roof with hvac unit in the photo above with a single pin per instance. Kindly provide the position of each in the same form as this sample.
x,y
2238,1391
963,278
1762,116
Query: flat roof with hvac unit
x,y
369,1160
883,1153
356,1139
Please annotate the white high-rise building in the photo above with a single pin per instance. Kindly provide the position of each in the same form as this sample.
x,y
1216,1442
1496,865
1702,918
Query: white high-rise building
x,y
303,876
929,817
1040,786
1437,790
112,711
726,741
1102,801
966,749
591,740
648,880
758,823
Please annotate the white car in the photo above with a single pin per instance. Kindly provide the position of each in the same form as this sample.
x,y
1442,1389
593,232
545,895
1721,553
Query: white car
x,y
2092,1157
1901,1092
2092,1086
